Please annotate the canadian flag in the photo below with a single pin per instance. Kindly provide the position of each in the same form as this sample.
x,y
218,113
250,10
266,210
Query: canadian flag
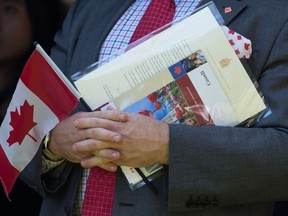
x,y
42,98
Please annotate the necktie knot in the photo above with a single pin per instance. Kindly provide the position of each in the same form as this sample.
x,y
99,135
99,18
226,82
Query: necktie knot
x,y
158,14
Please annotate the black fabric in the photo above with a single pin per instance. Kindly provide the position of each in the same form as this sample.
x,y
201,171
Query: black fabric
x,y
23,201
281,208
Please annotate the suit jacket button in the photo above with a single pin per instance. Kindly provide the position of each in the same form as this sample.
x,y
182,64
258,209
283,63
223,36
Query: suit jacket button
x,y
198,203
214,203
206,203
190,203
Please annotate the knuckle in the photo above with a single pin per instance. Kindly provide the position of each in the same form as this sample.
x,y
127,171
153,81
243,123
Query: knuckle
x,y
92,132
93,143
93,122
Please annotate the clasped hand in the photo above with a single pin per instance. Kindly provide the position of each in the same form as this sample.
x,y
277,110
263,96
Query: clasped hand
x,y
111,138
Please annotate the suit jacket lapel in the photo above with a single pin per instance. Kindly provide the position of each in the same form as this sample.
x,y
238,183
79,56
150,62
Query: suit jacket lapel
x,y
236,8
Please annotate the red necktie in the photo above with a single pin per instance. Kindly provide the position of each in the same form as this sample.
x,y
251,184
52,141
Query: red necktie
x,y
99,194
157,15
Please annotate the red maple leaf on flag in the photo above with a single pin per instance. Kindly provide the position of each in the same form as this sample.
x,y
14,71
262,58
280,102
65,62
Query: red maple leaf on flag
x,y
177,70
22,123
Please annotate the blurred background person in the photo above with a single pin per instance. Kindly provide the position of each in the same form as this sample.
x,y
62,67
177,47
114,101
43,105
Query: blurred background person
x,y
21,23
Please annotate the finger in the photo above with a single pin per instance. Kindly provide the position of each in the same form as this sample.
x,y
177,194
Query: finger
x,y
93,161
109,154
98,161
97,118
84,146
103,135
98,149
100,134
109,167
93,122
112,114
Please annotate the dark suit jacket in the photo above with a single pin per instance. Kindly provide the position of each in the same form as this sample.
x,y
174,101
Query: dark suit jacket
x,y
212,171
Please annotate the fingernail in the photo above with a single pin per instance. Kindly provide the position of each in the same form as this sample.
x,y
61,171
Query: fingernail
x,y
114,154
122,116
74,148
113,168
76,122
